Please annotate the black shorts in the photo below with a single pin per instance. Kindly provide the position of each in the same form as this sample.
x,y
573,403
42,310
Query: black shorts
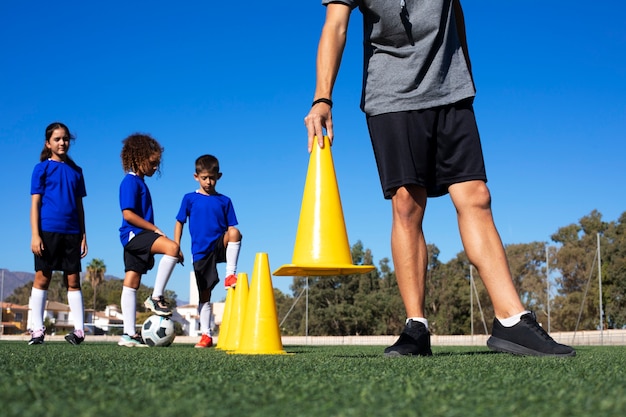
x,y
137,252
61,252
206,268
432,148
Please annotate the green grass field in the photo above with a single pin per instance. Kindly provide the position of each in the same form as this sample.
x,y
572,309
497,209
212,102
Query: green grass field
x,y
102,379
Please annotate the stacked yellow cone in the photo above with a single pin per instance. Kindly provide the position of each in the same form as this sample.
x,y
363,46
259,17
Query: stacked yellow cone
x,y
260,333
238,312
222,339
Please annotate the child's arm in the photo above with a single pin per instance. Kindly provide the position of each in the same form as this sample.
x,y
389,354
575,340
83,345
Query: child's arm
x,y
178,234
81,220
136,220
36,245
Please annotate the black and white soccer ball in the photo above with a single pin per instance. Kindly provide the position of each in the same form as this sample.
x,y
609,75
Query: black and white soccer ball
x,y
158,331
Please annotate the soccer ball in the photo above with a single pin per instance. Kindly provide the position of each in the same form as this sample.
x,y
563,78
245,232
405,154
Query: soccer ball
x,y
158,331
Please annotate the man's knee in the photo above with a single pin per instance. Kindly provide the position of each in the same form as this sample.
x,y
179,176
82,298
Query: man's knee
x,y
409,203
471,194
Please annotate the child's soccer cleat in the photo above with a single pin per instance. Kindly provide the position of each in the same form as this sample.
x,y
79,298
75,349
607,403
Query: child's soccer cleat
x,y
131,341
74,338
526,338
230,281
206,341
158,306
37,336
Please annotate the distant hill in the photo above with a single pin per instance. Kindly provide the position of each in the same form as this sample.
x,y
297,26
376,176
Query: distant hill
x,y
13,280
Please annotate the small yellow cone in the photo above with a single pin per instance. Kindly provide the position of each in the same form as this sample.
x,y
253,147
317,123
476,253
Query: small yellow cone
x,y
238,312
224,327
260,331
321,246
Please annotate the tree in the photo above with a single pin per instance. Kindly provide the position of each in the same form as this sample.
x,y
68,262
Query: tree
x,y
576,257
527,262
95,275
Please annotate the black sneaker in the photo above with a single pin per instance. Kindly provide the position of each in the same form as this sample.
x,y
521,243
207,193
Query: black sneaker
x,y
414,341
74,339
158,307
37,336
526,338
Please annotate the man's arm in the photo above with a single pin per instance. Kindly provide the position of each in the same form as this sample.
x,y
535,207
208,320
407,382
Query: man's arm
x,y
329,53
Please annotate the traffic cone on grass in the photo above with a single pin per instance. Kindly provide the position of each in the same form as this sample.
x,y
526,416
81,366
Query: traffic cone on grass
x,y
260,332
224,326
238,312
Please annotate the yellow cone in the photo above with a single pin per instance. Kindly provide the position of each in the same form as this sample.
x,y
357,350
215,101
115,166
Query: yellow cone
x,y
260,332
322,246
238,312
223,336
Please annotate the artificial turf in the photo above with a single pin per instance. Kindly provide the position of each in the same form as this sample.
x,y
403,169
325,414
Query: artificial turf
x,y
102,379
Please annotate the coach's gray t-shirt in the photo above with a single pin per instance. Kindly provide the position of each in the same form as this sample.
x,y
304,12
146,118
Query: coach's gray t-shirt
x,y
413,56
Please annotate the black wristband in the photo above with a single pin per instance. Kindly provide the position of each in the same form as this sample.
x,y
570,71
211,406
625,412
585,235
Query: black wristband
x,y
323,100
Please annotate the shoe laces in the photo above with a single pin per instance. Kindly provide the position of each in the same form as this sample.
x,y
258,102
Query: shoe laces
x,y
162,303
531,321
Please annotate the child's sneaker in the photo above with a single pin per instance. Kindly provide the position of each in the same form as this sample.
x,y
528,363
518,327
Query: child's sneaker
x,y
37,336
75,338
131,341
526,338
230,281
206,341
414,341
158,306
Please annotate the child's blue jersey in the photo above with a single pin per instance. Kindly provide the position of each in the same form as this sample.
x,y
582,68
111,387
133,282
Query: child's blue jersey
x,y
209,217
135,196
61,185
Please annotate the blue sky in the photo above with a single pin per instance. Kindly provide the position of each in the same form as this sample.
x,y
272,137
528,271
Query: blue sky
x,y
236,80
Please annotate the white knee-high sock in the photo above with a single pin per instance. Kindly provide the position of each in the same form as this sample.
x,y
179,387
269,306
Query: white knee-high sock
x,y
166,266
232,255
129,309
205,310
77,309
37,305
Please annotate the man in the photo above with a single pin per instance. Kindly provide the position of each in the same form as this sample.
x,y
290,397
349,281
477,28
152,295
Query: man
x,y
417,96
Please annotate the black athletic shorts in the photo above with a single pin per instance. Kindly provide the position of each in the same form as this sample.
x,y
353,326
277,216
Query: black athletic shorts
x,y
137,252
61,252
432,148
206,268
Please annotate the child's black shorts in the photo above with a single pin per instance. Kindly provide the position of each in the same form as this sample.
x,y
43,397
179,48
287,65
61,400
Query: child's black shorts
x,y
432,148
137,255
206,268
61,252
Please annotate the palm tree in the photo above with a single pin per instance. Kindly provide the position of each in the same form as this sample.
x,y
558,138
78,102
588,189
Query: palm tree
x,y
95,275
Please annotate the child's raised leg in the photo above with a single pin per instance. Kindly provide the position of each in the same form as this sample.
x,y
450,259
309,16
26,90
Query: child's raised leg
x,y
170,251
232,242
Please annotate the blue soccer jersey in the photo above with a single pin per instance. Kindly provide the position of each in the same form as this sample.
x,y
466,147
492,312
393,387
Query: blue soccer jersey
x,y
61,186
135,196
209,217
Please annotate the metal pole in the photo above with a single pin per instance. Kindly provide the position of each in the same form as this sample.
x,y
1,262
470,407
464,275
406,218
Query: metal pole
x,y
548,284
600,286
306,319
2,304
471,302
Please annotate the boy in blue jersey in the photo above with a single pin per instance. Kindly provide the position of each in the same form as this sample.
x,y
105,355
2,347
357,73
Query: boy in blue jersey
x,y
214,237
